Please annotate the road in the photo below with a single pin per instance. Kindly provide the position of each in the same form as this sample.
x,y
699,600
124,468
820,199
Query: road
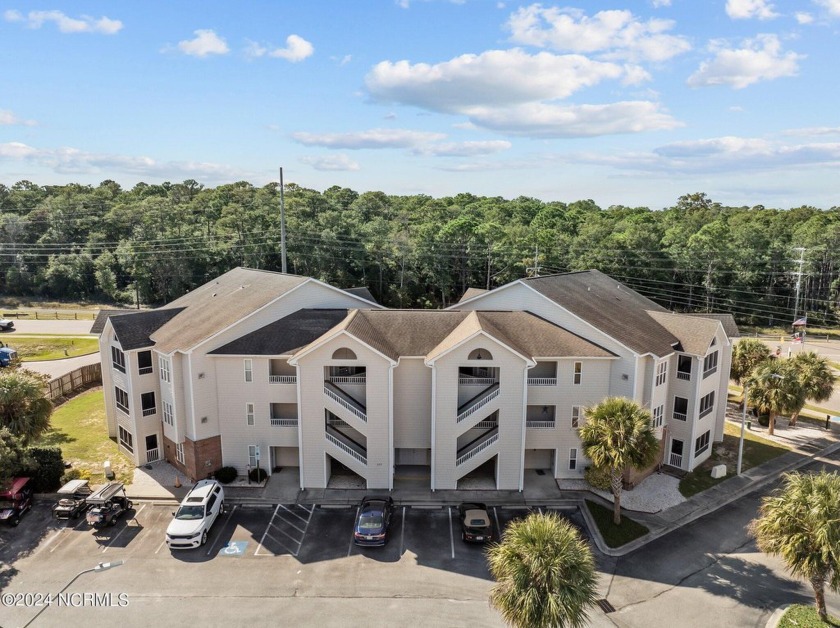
x,y
53,368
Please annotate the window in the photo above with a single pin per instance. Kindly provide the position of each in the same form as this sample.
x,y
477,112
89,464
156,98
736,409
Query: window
x,y
122,399
578,371
572,459
126,440
118,359
163,367
168,414
480,354
684,367
179,452
249,370
661,372
343,354
658,413
680,408
710,364
144,362
253,455
249,413
707,404
575,416
147,402
701,444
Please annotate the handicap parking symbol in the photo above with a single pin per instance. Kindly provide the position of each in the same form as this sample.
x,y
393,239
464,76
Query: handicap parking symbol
x,y
234,548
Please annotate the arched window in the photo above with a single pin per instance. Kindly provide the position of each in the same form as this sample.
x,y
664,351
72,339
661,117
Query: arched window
x,y
343,354
480,354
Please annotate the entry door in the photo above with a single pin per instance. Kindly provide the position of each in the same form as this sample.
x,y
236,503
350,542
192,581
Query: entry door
x,y
152,451
676,453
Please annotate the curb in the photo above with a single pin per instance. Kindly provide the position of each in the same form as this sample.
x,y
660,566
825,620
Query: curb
x,y
776,617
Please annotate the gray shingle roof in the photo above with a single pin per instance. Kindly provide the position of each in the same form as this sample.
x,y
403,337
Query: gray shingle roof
x,y
361,292
103,316
695,333
470,293
610,306
730,327
134,330
285,336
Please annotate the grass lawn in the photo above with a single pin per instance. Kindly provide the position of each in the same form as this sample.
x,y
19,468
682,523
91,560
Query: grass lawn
x,y
615,536
802,616
757,451
78,427
36,348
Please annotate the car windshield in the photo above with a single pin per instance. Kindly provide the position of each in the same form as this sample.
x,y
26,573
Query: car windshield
x,y
6,503
371,520
190,512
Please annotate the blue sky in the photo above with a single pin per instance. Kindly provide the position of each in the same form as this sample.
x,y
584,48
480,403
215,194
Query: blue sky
x,y
632,103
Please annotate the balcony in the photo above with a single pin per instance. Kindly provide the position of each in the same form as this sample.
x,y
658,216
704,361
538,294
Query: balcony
x,y
149,411
282,379
281,422
542,381
540,425
685,376
680,416
476,403
281,372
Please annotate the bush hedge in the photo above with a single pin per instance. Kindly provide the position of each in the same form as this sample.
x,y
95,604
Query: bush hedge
x,y
48,469
225,475
257,475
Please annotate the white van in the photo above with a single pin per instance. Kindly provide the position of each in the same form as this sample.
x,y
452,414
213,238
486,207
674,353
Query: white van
x,y
196,515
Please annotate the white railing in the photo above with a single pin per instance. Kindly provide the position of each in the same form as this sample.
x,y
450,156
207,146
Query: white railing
x,y
145,370
348,379
346,449
680,416
477,381
152,455
345,404
477,450
282,379
283,422
478,405
542,381
149,411
485,425
676,460
684,376
540,425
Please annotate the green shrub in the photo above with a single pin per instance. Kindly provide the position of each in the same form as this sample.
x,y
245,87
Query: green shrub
x,y
225,475
72,474
257,475
48,469
598,478
764,420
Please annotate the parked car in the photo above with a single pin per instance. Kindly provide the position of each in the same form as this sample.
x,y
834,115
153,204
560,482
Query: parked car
x,y
196,515
6,324
15,500
7,355
475,523
373,521
73,501
107,504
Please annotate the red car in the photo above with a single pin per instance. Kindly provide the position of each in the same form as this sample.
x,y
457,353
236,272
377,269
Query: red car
x,y
16,500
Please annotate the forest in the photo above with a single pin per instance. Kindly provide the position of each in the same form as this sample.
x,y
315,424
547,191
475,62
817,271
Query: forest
x,y
152,243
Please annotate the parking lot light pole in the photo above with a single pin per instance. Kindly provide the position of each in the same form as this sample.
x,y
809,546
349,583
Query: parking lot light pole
x,y
98,568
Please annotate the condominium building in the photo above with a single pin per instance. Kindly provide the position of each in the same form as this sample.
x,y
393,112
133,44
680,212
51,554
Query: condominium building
x,y
264,369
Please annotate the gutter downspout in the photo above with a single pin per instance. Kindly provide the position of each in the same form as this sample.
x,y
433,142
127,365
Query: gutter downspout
x,y
434,417
391,427
300,430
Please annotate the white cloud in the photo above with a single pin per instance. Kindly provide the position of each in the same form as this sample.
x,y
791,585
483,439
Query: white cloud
x,y
206,42
748,9
8,118
373,138
832,6
334,163
815,131
463,149
611,34
66,24
492,78
658,4
297,49
804,18
68,160
759,59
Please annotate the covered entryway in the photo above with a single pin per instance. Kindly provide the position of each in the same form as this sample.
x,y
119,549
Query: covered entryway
x,y
342,476
284,457
542,459
481,478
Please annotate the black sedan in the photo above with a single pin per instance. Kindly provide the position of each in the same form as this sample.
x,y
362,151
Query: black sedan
x,y
475,523
373,521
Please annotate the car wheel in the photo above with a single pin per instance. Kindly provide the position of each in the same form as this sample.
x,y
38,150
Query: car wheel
x,y
112,521
76,514
128,506
15,521
204,537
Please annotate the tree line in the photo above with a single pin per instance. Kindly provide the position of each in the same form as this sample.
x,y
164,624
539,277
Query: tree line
x,y
152,243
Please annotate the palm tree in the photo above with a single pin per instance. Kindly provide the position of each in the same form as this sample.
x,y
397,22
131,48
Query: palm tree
x,y
747,354
616,437
544,572
774,388
800,524
816,378
24,408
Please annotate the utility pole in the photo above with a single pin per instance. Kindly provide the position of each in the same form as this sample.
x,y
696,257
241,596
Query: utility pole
x,y
282,225
536,266
798,281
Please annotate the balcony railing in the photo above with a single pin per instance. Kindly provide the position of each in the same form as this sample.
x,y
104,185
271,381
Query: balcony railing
x,y
145,370
345,404
485,425
346,448
540,425
680,416
676,460
472,453
277,422
477,381
149,411
152,455
478,405
684,376
542,381
348,379
282,379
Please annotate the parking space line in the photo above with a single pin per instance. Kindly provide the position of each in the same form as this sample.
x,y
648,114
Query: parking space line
x,y
124,528
294,514
352,536
61,532
451,536
281,544
218,536
266,530
288,523
402,532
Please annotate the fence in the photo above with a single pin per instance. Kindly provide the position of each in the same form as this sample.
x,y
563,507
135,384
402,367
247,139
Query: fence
x,y
52,315
74,380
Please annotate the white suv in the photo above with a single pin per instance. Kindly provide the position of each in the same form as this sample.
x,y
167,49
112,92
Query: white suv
x,y
196,515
